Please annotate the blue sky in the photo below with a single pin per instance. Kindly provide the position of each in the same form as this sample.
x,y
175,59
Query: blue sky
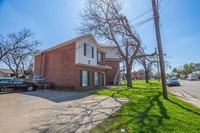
x,y
54,21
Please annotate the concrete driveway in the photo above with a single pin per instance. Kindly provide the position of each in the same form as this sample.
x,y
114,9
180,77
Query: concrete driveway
x,y
54,111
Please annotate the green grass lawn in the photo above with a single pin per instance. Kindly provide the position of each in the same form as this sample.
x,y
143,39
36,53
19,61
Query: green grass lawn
x,y
147,111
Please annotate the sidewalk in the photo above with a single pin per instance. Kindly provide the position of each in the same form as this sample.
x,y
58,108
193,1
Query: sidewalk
x,y
184,96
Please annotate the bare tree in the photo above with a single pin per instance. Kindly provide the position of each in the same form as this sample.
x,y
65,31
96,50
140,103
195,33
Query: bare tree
x,y
24,45
147,62
104,18
5,48
2,47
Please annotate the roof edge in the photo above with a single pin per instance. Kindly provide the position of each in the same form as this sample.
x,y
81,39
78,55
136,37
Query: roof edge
x,y
66,43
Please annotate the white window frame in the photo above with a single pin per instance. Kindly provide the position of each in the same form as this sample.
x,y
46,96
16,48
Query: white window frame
x,y
88,51
84,80
96,79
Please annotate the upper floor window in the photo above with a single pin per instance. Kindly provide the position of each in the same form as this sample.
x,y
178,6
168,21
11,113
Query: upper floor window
x,y
88,51
99,56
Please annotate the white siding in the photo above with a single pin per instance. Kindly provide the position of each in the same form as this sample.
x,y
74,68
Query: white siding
x,y
80,58
111,52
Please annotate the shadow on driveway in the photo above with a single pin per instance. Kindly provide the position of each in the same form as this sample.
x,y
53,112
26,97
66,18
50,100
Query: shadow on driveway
x,y
51,95
78,116
56,96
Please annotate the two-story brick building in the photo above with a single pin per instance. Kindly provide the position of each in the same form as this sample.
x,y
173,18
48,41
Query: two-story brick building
x,y
79,63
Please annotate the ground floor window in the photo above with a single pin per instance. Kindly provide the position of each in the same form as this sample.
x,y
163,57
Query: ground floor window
x,y
84,78
96,78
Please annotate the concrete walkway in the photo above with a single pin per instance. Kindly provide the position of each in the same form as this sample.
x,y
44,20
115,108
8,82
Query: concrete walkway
x,y
54,112
184,96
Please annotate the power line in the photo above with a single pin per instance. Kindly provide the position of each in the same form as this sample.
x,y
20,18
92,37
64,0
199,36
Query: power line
x,y
160,2
144,21
165,6
142,14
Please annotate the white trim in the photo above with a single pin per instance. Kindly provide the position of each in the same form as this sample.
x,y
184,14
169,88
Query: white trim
x,y
67,43
97,66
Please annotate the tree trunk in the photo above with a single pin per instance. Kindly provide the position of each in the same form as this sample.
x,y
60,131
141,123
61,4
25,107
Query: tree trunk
x,y
129,80
146,76
16,73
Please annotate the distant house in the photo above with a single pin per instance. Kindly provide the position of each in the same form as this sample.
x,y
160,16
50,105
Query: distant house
x,y
6,72
139,75
196,68
80,63
197,65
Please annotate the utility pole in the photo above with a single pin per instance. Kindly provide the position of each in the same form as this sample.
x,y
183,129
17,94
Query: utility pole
x,y
157,64
160,52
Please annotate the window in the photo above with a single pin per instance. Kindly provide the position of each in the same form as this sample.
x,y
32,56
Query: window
x,y
96,78
99,56
84,78
88,51
18,80
6,81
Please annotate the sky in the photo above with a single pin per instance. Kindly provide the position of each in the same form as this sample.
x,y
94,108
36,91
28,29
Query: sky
x,y
55,21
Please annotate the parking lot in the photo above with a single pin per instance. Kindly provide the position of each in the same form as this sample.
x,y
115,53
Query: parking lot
x,y
54,111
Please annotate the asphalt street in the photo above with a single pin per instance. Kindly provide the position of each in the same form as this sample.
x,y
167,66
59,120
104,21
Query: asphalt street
x,y
191,88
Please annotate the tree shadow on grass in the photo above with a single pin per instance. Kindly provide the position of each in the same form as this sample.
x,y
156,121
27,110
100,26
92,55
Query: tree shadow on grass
x,y
147,116
143,119
183,107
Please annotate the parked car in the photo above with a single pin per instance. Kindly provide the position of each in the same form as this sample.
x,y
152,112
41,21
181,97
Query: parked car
x,y
16,84
183,77
173,82
192,77
37,79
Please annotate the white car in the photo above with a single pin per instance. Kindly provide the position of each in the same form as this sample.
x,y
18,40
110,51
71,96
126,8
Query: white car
x,y
192,77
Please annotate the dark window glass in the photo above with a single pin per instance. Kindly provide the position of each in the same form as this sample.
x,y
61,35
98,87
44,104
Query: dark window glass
x,y
99,56
84,78
88,51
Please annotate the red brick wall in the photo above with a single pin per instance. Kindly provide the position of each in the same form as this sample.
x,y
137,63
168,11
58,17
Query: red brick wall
x,y
77,75
37,65
110,73
138,74
134,75
57,66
